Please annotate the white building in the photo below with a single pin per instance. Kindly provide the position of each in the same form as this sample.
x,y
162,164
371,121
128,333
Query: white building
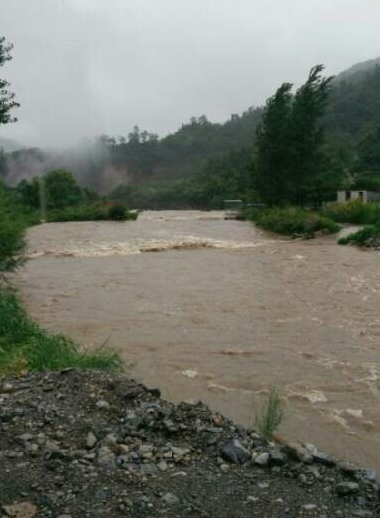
x,y
364,196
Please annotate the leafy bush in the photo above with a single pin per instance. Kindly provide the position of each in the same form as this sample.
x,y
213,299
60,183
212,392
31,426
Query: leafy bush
x,y
269,417
12,228
95,212
118,212
81,213
363,236
24,346
354,212
292,221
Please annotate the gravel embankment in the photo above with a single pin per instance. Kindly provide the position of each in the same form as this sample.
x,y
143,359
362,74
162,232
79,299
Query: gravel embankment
x,y
77,444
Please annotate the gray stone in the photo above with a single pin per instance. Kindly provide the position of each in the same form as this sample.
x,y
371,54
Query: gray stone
x,y
319,456
91,440
262,459
26,437
235,452
298,452
361,513
347,488
170,426
146,448
277,458
180,452
170,499
162,466
102,404
106,457
349,468
148,469
109,440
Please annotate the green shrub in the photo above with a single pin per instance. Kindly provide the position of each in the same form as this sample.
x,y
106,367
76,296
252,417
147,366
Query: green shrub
x,y
354,212
82,213
269,417
95,212
25,346
362,237
118,212
292,221
12,229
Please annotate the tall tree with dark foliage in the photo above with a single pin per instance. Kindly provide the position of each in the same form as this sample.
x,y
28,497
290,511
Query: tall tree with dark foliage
x,y
7,98
289,141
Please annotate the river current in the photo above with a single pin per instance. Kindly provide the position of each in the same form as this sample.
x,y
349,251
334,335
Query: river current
x,y
218,310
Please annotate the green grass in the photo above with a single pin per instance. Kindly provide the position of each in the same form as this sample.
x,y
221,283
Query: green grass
x,y
24,346
95,212
363,236
354,212
271,414
292,221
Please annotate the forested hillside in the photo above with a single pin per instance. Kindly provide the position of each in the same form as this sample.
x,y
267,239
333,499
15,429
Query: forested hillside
x,y
203,162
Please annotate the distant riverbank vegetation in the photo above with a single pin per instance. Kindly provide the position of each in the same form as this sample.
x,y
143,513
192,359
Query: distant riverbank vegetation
x,y
58,195
291,221
354,212
93,212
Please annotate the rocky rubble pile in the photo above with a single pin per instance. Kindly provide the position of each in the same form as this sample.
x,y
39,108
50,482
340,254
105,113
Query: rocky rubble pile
x,y
87,444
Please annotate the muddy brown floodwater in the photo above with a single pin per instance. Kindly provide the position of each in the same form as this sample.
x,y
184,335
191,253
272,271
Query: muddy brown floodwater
x,y
218,310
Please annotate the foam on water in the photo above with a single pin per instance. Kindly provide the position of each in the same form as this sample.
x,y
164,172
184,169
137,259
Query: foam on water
x,y
144,246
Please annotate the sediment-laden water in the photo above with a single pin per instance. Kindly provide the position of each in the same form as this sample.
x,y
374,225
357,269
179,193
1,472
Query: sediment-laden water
x,y
218,310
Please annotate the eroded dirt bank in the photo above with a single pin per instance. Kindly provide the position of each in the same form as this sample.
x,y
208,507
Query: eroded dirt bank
x,y
221,313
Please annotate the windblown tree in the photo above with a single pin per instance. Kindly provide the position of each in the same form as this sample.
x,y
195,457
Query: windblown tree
x,y
290,138
272,145
306,153
7,98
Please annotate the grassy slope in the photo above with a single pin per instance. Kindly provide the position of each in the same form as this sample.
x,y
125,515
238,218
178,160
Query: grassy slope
x,y
25,346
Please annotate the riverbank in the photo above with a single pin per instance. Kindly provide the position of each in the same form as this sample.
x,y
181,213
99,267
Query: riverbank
x,y
84,444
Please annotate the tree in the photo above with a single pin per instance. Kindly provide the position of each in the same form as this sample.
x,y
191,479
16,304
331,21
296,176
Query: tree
x,y
7,102
62,189
290,138
272,147
306,156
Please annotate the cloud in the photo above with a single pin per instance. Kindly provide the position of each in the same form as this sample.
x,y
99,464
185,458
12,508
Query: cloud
x,y
84,67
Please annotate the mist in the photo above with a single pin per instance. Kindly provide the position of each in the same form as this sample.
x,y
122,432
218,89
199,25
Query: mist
x,y
86,67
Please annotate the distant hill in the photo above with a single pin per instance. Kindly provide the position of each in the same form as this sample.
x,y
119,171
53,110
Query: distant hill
x,y
355,99
357,71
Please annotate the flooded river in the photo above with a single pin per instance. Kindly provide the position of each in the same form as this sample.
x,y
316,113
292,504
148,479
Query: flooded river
x,y
218,310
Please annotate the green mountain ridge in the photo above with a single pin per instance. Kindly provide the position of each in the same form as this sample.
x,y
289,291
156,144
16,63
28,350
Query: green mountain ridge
x,y
220,150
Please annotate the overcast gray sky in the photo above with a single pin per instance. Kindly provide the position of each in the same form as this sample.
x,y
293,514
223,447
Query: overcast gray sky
x,y
85,67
